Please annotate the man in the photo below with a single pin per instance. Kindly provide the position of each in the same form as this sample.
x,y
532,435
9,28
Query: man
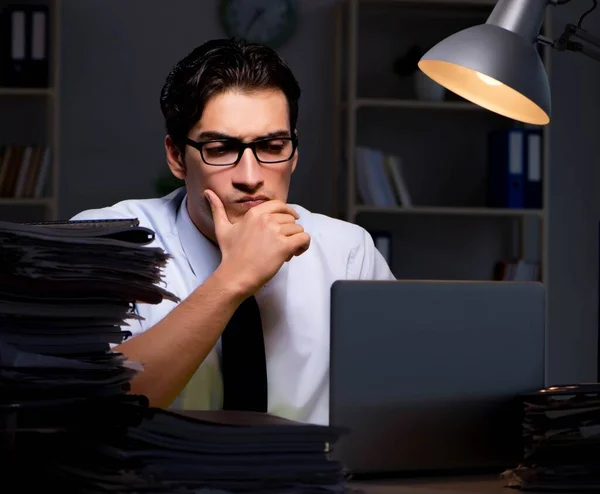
x,y
230,111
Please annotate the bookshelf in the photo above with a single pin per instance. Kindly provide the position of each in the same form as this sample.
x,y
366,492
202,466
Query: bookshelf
x,y
448,231
450,211
416,104
30,121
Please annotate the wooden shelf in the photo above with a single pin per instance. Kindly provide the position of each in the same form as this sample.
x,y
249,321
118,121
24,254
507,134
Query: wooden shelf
x,y
415,104
430,3
24,91
450,211
17,201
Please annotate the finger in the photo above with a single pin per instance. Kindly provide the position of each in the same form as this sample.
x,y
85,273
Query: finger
x,y
299,243
283,218
289,229
274,206
301,250
218,211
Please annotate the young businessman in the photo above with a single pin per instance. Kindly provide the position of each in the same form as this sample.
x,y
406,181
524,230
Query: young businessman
x,y
230,112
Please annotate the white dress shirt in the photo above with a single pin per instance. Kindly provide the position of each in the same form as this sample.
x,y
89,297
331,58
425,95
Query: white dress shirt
x,y
294,305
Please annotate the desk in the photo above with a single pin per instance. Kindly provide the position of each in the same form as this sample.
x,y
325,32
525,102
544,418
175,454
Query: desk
x,y
442,485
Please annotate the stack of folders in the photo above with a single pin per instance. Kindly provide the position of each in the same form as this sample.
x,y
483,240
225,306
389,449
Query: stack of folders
x,y
203,452
67,419
561,432
67,292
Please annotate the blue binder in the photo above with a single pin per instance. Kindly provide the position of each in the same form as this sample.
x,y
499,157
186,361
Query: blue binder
x,y
506,166
533,176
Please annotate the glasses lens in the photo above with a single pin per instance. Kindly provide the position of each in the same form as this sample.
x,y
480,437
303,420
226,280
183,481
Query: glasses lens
x,y
220,153
273,150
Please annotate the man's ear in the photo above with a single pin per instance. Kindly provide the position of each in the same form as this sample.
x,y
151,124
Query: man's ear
x,y
295,160
174,158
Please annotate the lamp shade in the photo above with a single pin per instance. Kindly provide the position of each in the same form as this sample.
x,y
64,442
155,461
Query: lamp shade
x,y
494,68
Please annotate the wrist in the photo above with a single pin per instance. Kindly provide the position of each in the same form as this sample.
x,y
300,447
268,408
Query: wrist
x,y
228,281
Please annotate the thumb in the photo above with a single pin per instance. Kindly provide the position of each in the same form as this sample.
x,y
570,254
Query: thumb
x,y
218,211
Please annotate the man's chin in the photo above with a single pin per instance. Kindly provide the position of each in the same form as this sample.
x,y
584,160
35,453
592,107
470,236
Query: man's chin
x,y
235,213
241,208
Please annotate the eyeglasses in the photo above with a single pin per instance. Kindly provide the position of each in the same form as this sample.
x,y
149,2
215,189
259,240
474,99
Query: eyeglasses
x,y
226,152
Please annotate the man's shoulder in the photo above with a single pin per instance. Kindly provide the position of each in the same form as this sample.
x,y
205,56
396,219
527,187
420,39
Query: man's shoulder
x,y
329,228
161,210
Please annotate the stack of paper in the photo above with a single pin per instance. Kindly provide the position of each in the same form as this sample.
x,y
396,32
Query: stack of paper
x,y
66,291
67,421
561,432
203,452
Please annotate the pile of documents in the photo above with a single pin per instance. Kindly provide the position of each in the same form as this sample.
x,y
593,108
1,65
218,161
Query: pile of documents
x,y
200,452
68,421
67,292
561,432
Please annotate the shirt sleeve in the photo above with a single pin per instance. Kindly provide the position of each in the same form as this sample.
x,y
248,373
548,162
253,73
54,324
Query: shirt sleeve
x,y
99,214
134,326
366,262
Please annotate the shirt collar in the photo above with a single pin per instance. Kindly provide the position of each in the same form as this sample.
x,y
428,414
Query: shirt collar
x,y
202,255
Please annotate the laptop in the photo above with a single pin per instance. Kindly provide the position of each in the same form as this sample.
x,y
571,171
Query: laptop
x,y
427,374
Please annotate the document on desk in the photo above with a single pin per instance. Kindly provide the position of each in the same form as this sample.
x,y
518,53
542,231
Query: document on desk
x,y
561,432
237,451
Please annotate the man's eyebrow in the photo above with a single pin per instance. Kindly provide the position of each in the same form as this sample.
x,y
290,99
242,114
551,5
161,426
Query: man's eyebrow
x,y
277,133
204,136
208,135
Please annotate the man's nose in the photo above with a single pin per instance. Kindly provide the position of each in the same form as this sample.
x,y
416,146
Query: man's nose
x,y
248,171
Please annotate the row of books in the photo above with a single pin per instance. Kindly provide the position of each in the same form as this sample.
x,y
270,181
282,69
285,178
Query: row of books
x,y
24,170
379,179
514,174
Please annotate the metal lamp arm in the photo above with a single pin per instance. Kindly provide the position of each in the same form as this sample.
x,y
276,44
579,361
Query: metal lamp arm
x,y
575,38
589,47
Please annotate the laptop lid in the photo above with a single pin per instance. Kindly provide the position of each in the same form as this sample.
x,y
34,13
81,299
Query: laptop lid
x,y
427,374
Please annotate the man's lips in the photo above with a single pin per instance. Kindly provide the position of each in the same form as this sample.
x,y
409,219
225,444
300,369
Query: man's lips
x,y
252,200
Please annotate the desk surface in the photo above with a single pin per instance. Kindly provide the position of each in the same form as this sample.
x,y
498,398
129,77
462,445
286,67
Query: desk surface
x,y
440,485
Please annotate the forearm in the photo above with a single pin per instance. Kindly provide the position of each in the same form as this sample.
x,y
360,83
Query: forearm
x,y
172,350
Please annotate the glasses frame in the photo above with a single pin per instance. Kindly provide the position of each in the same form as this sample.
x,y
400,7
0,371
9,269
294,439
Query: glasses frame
x,y
199,145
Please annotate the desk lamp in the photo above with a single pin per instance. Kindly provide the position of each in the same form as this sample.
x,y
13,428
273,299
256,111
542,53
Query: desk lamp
x,y
496,65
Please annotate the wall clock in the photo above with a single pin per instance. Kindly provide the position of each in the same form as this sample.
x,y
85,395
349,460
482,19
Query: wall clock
x,y
268,22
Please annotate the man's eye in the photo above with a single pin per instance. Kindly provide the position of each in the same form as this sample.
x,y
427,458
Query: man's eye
x,y
274,146
218,148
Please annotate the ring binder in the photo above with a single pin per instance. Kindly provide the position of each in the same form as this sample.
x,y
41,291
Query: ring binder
x,y
126,230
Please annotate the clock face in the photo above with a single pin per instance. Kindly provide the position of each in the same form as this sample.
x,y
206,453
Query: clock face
x,y
268,22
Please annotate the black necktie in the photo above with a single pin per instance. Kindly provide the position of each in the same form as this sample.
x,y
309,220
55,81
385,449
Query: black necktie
x,y
243,362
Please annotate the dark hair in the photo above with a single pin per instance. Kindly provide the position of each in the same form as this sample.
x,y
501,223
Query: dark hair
x,y
217,66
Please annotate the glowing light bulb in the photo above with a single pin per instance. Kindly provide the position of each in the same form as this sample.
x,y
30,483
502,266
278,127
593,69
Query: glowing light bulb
x,y
488,80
